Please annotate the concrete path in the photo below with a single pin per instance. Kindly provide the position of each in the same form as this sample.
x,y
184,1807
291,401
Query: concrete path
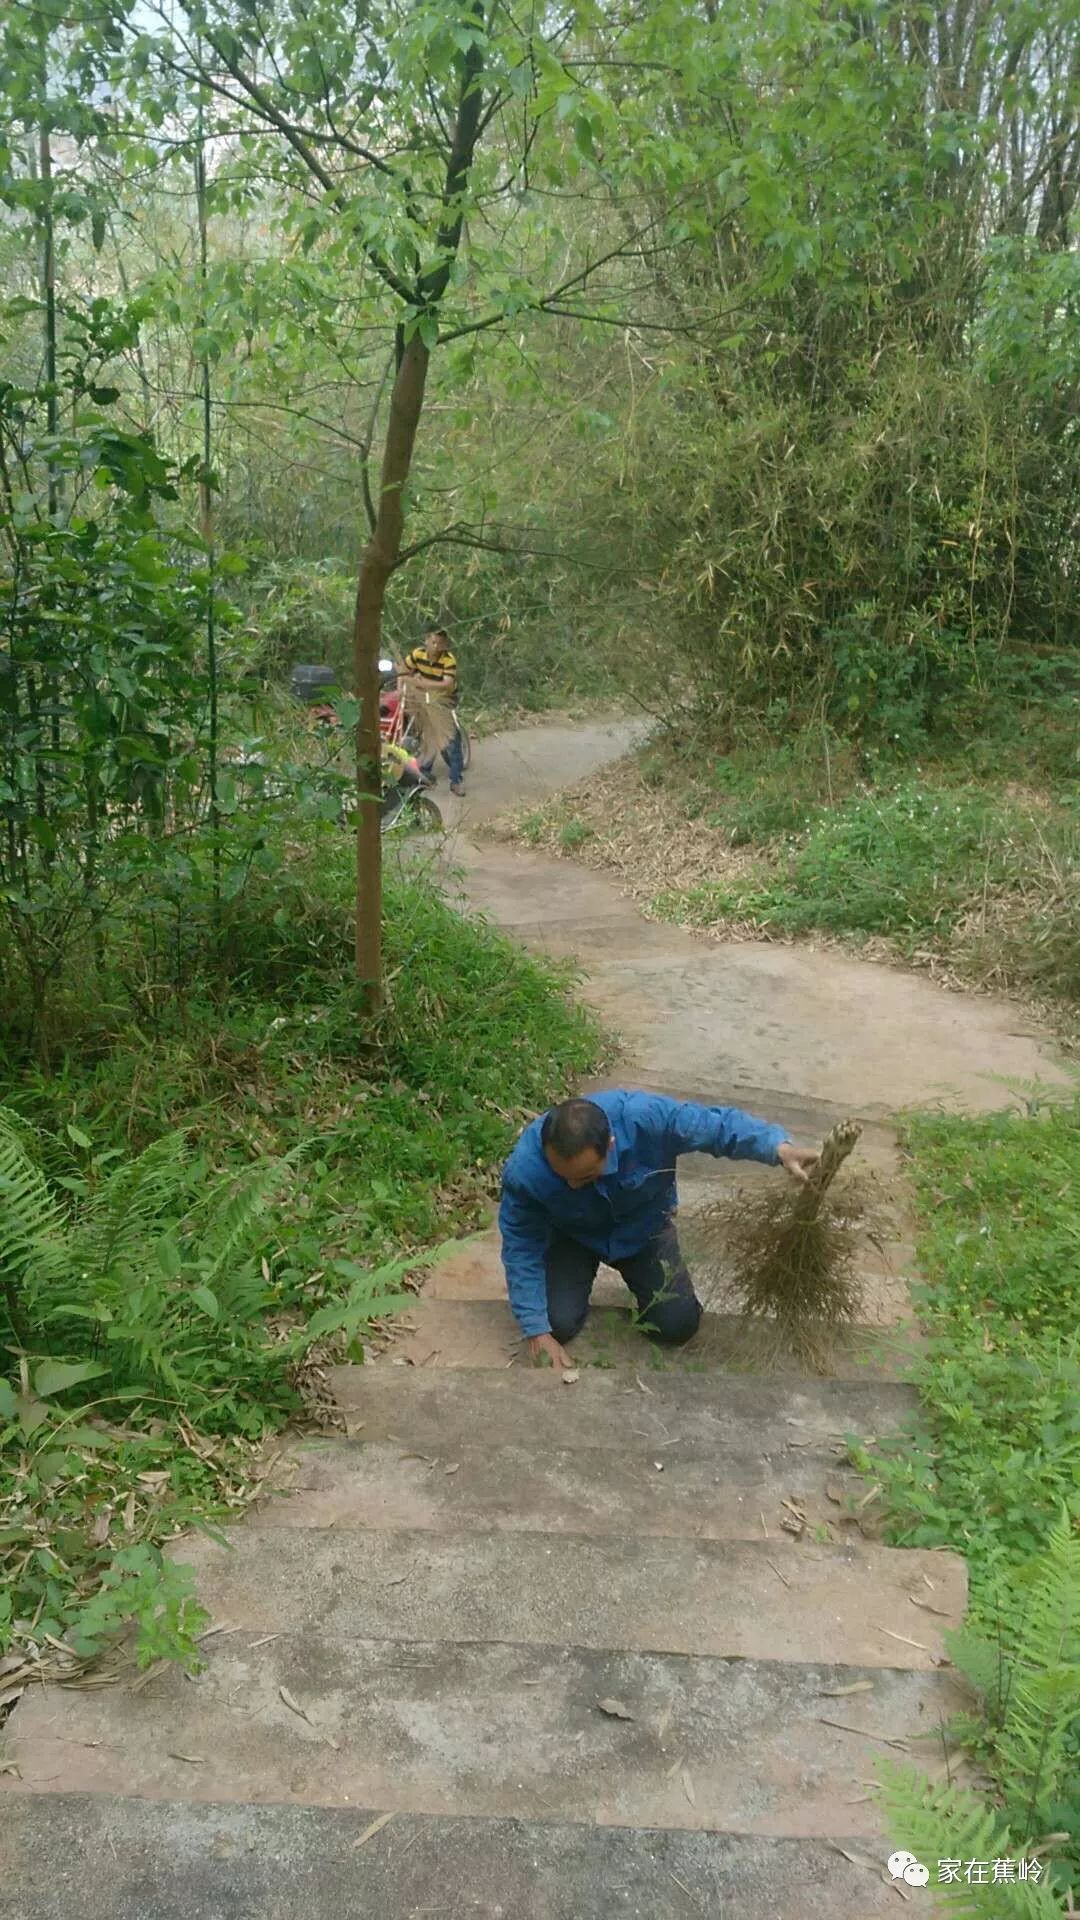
x,y
624,1647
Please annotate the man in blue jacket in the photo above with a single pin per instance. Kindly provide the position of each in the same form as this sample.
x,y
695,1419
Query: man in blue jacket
x,y
594,1180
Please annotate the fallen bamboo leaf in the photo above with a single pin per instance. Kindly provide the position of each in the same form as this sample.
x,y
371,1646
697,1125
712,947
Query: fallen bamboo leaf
x,y
614,1709
927,1607
264,1642
99,1532
642,1385
838,1693
688,1788
856,1859
903,1639
673,1769
189,1759
144,1679
569,1375
780,1576
376,1826
426,1458
862,1733
129,1513
455,1468
834,1493
293,1705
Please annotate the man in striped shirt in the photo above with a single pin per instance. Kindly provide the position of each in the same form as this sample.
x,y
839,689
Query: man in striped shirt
x,y
430,676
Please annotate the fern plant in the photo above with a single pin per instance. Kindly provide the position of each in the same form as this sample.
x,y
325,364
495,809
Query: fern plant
x,y
163,1280
31,1220
1025,1674
938,1823
143,1270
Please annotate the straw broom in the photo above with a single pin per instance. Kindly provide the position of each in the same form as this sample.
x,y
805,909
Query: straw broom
x,y
794,1258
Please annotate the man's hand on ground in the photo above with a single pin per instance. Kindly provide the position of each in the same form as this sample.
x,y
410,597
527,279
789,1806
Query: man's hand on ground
x,y
798,1161
546,1343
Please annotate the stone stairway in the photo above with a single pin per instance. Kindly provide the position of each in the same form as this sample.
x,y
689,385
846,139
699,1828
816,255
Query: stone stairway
x,y
515,1647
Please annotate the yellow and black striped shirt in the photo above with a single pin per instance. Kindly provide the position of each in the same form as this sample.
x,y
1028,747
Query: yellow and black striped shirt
x,y
418,662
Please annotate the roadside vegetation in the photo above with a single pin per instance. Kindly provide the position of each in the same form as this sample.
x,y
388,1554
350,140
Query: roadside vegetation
x,y
964,860
994,1473
206,1196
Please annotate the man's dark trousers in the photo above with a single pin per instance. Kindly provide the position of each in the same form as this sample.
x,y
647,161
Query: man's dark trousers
x,y
668,1308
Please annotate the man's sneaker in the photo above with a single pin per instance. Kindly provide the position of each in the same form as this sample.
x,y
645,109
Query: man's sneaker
x,y
457,789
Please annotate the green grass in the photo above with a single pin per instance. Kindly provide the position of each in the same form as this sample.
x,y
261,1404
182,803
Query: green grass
x,y
992,1469
373,1140
999,1243
932,864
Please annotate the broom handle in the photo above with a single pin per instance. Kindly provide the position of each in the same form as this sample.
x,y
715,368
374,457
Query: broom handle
x,y
836,1146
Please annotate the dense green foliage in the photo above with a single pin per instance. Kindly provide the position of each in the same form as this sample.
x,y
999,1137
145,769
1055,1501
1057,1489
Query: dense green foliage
x,y
1000,1242
188,1206
994,1469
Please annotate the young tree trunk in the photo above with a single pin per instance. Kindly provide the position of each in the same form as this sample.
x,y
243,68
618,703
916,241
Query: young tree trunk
x,y
384,546
376,566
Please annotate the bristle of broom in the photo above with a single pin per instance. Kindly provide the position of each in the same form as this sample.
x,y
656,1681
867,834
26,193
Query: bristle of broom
x,y
788,1260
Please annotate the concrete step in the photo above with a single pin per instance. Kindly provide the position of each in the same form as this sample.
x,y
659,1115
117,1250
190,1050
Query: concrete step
x,y
817,1603
438,1409
498,1730
697,1457
662,1492
109,1859
482,1333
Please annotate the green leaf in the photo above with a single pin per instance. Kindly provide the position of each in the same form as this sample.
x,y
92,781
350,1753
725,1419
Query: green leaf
x,y
207,1299
7,1401
80,1138
169,1257
56,1376
84,1437
32,1414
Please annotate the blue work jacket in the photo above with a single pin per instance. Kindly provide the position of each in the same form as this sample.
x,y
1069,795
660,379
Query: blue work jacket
x,y
634,1197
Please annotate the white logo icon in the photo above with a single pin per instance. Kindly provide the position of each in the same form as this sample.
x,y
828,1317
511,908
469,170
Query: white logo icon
x,y
904,1866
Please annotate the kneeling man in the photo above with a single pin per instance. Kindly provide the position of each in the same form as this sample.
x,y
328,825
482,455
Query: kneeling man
x,y
594,1180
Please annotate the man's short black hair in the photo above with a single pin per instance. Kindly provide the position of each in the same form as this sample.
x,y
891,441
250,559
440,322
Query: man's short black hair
x,y
439,633
574,1127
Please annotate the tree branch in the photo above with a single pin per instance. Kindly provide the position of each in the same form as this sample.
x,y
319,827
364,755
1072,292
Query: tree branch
x,y
300,145
460,535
